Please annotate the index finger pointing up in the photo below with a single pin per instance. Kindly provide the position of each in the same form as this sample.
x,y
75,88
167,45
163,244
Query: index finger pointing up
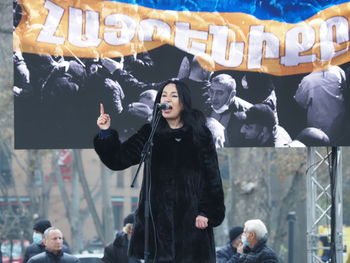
x,y
102,109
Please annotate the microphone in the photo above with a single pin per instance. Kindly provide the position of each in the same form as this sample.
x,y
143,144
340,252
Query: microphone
x,y
164,106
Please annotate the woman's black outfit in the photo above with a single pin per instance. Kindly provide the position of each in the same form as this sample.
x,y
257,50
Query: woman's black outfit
x,y
185,183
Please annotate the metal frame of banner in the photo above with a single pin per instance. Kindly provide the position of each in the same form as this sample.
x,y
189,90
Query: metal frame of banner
x,y
324,203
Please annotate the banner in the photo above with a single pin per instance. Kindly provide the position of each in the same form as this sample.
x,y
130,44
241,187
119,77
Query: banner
x,y
236,56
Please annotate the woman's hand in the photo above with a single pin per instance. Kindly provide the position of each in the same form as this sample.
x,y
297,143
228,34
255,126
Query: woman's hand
x,y
201,222
103,121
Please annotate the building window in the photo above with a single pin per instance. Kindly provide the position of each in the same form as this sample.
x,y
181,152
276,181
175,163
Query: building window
x,y
118,206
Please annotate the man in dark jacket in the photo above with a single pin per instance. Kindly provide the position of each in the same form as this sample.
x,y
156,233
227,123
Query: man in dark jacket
x,y
38,246
118,250
228,254
226,107
261,129
253,248
53,241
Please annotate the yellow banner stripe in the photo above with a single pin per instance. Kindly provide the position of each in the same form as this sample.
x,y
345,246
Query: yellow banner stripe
x,y
234,41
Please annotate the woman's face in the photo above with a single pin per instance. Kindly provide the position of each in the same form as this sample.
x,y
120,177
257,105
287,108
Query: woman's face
x,y
171,96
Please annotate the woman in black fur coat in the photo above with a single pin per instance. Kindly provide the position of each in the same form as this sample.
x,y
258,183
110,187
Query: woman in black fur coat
x,y
186,195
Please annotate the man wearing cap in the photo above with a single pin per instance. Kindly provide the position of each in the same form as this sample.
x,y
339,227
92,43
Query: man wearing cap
x,y
260,129
53,241
228,254
38,246
118,250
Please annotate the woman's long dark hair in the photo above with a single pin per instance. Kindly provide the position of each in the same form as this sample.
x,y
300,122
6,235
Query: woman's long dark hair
x,y
191,118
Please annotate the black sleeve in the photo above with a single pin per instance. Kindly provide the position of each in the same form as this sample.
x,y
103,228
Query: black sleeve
x,y
211,203
118,156
222,256
108,256
243,258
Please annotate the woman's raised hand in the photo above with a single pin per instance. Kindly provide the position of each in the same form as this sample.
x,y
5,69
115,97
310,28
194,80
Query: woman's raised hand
x,y
103,121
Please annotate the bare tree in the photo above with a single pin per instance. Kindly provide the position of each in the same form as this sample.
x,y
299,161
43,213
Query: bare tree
x,y
14,214
107,214
71,197
248,185
40,194
264,183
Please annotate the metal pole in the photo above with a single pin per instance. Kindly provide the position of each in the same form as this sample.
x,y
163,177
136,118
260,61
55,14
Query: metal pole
x,y
324,203
338,206
291,223
310,204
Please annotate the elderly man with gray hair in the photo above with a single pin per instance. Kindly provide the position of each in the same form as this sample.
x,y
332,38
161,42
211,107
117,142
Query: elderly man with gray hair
x,y
253,248
53,241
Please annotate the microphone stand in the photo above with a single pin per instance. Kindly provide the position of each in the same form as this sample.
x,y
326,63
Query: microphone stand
x,y
146,157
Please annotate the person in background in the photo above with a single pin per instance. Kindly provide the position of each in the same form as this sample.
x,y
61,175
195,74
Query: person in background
x,y
321,95
228,254
326,253
38,246
226,107
257,87
260,128
118,250
253,248
143,108
53,241
313,137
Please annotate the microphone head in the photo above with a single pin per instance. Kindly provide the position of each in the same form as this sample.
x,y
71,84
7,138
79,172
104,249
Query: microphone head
x,y
164,106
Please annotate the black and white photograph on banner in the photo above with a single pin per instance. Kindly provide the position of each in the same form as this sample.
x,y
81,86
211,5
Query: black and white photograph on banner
x,y
57,100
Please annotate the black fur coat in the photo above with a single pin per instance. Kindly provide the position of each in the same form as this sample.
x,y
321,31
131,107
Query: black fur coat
x,y
185,183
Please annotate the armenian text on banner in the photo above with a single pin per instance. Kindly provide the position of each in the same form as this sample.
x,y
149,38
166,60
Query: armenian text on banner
x,y
236,41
